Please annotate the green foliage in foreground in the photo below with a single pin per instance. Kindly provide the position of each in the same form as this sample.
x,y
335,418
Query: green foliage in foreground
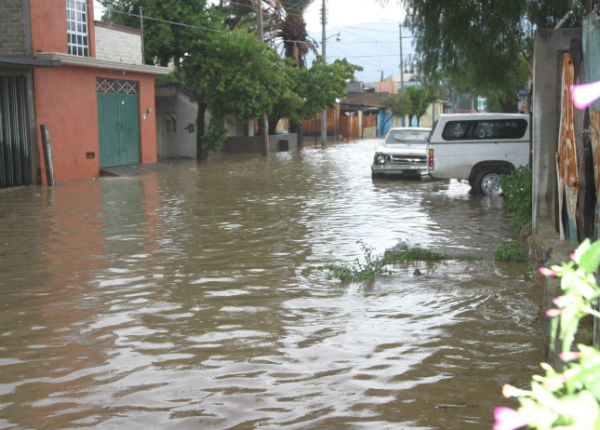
x,y
567,399
516,186
361,271
510,252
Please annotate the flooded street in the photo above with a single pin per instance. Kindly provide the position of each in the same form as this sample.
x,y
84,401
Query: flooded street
x,y
194,298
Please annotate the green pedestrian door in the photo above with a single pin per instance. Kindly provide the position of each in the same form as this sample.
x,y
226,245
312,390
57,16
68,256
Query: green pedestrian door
x,y
118,122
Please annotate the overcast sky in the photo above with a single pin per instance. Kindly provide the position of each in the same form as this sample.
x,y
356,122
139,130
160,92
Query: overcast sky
x,y
369,32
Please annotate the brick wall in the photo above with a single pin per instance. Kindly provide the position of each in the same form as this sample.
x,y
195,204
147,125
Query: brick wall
x,y
116,43
12,33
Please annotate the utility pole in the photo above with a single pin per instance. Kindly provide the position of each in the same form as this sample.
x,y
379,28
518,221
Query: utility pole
x,y
142,30
264,129
401,62
323,53
401,67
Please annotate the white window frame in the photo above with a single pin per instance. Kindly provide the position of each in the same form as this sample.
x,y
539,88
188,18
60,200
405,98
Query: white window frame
x,y
77,28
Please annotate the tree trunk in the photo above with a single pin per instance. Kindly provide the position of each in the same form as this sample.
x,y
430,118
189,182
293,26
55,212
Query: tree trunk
x,y
201,151
507,104
272,125
296,127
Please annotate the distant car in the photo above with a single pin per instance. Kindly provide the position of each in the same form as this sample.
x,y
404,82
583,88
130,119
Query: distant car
x,y
403,153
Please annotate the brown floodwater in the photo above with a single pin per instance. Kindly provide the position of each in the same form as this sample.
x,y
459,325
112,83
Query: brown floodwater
x,y
195,298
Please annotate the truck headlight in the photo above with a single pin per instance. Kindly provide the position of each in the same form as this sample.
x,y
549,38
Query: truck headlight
x,y
381,159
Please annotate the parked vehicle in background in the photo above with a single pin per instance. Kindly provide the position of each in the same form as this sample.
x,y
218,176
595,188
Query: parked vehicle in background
x,y
479,148
403,153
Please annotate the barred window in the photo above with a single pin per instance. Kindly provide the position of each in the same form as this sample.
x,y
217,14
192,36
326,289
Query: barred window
x,y
77,27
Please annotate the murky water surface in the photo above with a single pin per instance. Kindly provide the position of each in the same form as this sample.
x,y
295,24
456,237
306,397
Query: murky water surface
x,y
193,298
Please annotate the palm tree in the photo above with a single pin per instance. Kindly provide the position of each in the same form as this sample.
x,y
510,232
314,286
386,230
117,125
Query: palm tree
x,y
289,25
284,20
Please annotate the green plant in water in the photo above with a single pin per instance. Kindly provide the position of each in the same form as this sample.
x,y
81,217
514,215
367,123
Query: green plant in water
x,y
510,252
516,186
569,399
403,253
360,271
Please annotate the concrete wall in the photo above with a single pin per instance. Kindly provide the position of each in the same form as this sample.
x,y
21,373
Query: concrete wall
x,y
14,28
174,112
117,43
549,46
252,144
66,101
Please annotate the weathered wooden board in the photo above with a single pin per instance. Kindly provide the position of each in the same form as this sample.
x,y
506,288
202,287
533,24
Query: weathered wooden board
x,y
566,157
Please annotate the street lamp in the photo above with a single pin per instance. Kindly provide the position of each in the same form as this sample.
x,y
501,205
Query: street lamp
x,y
324,38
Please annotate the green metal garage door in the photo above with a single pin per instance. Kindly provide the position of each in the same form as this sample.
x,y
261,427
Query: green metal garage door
x,y
118,122
15,159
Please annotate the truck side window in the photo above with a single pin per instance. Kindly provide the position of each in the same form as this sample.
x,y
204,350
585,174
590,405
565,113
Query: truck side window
x,y
455,130
485,129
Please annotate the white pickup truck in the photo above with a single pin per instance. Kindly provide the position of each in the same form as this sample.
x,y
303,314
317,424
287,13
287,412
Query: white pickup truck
x,y
478,147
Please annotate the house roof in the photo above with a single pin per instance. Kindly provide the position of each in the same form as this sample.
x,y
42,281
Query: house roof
x,y
75,60
27,62
357,106
368,99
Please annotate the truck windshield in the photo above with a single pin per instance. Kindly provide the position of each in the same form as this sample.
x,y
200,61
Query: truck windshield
x,y
406,136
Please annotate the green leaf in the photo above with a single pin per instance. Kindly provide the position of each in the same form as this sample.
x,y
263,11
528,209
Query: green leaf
x,y
590,259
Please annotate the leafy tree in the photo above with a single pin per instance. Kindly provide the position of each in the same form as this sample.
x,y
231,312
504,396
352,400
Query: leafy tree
x,y
420,98
399,103
483,46
313,88
231,74
547,13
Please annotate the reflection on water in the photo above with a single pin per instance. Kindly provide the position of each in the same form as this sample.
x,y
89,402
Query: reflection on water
x,y
193,298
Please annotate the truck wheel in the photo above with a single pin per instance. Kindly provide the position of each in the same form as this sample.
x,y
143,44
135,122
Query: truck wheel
x,y
487,182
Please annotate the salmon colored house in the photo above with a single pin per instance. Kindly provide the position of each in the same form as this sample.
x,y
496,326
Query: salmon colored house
x,y
94,94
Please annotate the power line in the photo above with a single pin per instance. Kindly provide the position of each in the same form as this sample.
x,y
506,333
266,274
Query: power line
x,y
166,21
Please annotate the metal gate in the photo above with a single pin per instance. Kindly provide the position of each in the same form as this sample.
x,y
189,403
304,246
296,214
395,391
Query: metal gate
x,y
118,122
15,157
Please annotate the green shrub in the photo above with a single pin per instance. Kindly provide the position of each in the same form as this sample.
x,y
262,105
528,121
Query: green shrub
x,y
371,265
510,252
516,186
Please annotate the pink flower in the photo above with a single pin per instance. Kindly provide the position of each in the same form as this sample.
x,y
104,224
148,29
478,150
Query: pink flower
x,y
546,272
553,312
508,419
569,355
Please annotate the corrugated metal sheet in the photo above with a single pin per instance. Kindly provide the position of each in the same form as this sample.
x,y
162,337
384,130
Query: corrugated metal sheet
x,y
566,158
15,163
591,52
